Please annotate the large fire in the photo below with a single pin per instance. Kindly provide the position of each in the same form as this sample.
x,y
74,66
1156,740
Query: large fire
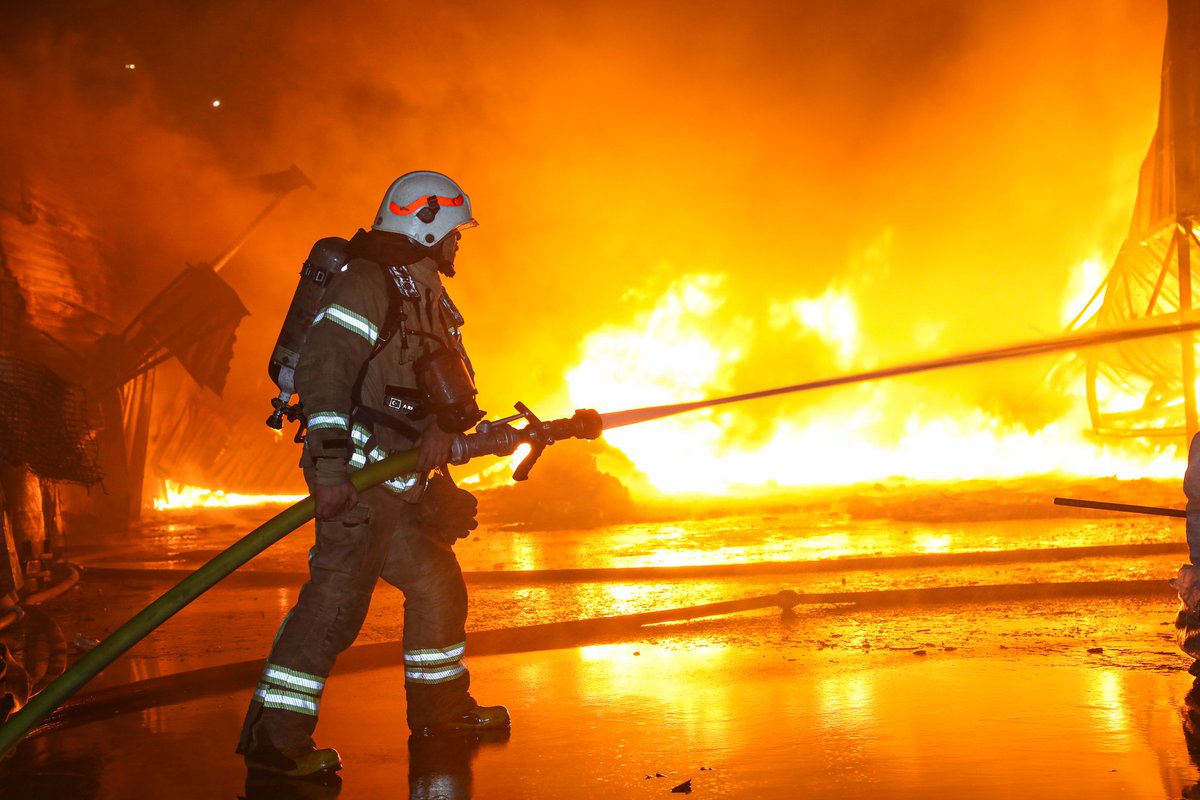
x,y
176,497
684,345
685,348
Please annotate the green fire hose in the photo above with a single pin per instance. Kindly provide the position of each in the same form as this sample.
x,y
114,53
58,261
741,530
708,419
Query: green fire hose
x,y
90,665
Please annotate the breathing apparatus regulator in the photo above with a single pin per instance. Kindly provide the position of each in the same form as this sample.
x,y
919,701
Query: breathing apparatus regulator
x,y
447,390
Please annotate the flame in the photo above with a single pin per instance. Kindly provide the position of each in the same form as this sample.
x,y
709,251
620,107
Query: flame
x,y
178,496
1080,298
683,349
833,317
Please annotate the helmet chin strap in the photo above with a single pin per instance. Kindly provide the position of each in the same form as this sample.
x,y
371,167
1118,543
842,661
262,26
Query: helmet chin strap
x,y
444,265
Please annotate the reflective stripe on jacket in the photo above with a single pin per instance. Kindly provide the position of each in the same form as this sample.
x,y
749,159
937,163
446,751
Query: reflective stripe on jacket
x,y
342,338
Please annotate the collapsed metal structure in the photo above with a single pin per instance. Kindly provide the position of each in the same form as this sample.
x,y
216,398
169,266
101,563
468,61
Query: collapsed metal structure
x,y
77,391
1148,388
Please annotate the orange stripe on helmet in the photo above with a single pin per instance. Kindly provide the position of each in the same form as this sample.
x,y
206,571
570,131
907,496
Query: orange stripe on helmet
x,y
420,202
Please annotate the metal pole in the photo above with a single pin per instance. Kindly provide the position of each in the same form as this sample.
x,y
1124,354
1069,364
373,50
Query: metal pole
x,y
231,251
294,180
1156,511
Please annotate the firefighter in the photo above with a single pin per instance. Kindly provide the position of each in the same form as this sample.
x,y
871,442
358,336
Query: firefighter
x,y
385,328
1187,581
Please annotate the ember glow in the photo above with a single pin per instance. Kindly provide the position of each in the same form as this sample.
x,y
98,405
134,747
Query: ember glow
x,y
179,497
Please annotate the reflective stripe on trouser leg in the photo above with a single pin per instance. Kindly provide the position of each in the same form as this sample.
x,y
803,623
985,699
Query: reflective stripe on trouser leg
x,y
343,567
434,665
435,615
272,697
290,690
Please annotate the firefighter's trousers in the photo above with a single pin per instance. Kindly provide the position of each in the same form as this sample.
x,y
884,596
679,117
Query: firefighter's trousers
x,y
377,538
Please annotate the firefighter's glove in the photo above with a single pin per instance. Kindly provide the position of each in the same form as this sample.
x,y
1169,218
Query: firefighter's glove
x,y
447,512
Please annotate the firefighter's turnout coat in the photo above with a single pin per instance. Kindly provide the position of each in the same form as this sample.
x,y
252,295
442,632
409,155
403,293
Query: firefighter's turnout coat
x,y
362,405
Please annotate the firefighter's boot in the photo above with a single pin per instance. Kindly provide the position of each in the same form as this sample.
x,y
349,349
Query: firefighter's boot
x,y
477,719
307,763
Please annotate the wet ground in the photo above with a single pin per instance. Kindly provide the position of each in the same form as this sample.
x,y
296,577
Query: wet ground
x,y
1026,689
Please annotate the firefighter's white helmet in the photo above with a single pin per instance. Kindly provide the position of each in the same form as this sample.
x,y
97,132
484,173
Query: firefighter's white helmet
x,y
425,207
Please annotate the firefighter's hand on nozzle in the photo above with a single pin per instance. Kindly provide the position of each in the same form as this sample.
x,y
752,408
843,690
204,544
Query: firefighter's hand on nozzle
x,y
333,500
433,448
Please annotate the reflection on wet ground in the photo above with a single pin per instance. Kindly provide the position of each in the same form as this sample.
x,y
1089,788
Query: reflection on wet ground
x,y
791,536
635,719
1073,695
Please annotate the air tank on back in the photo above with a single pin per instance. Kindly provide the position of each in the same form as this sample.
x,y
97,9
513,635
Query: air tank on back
x,y
324,262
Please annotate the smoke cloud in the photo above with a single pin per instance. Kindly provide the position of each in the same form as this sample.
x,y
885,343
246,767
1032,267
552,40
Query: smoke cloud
x,y
944,163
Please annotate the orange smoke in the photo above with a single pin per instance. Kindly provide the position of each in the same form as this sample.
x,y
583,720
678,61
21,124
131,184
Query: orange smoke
x,y
844,184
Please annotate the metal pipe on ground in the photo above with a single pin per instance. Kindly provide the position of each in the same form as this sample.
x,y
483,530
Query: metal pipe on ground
x,y
1156,511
